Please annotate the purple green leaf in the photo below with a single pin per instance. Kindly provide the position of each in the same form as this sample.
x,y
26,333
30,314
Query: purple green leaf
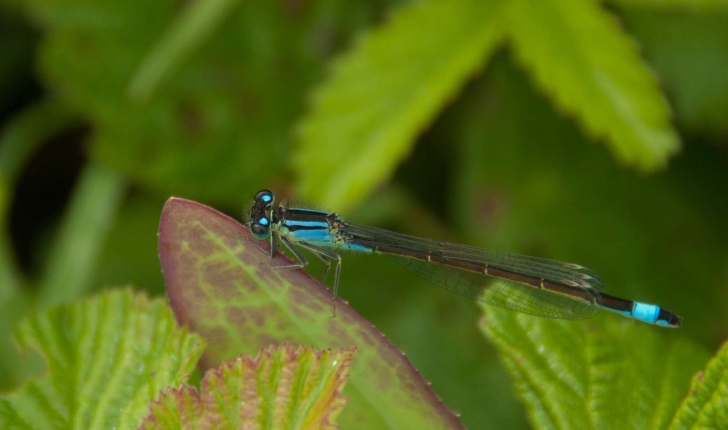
x,y
283,387
222,287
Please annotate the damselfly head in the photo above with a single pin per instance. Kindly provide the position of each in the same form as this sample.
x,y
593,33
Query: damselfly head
x,y
258,219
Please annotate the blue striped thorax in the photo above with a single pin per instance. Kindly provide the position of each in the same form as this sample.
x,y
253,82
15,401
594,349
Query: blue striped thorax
x,y
307,225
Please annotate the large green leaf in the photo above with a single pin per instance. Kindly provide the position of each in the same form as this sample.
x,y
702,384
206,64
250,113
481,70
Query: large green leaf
x,y
106,359
604,373
386,90
283,388
221,285
577,53
706,405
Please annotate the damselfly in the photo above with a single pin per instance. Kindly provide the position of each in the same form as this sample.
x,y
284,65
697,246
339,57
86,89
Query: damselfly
x,y
531,285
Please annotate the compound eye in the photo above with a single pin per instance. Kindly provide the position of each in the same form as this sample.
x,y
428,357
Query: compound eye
x,y
260,229
264,196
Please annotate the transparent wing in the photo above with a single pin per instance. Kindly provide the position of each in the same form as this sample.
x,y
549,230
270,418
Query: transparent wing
x,y
505,293
501,292
551,270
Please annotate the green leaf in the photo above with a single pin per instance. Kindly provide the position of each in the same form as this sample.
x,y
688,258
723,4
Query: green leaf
x,y
385,91
20,139
547,192
221,286
9,275
577,53
607,372
106,359
282,388
91,212
706,406
194,26
224,98
690,53
674,5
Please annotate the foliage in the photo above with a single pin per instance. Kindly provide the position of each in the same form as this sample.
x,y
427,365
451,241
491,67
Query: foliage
x,y
106,359
598,77
578,375
97,380
219,285
459,120
361,125
281,388
675,5
705,406
569,202
209,120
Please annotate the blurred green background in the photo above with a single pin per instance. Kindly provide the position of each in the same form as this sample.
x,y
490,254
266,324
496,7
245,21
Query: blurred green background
x,y
108,108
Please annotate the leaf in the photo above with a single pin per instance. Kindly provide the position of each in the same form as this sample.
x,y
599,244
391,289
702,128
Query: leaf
x,y
282,388
221,286
385,91
613,373
222,114
106,358
577,53
187,33
690,53
706,405
92,210
8,275
546,193
19,141
674,5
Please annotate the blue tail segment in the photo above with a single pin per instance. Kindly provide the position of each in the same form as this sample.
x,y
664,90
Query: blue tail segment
x,y
651,314
645,312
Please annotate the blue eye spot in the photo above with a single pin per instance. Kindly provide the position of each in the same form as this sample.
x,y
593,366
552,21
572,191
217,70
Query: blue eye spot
x,y
263,221
266,198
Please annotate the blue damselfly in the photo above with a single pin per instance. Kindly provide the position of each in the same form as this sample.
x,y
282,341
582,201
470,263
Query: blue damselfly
x,y
531,285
